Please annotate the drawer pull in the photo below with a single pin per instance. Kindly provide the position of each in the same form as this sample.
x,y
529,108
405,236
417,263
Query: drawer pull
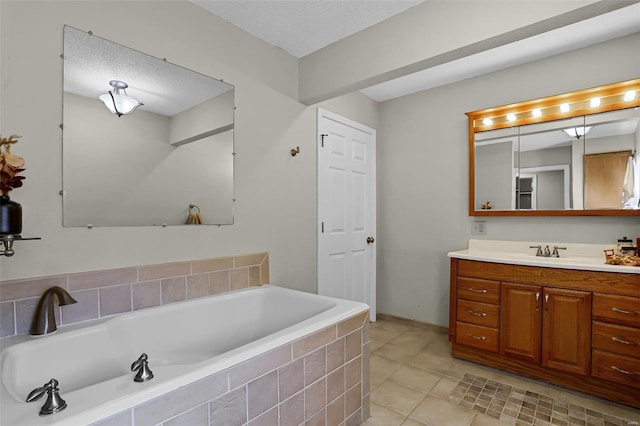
x,y
483,291
478,314
620,370
622,311
616,339
480,337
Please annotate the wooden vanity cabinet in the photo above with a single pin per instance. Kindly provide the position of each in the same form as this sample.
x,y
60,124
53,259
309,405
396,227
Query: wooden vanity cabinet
x,y
578,329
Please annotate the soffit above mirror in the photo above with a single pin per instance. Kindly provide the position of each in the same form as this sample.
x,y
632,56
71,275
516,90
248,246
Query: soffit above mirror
x,y
567,137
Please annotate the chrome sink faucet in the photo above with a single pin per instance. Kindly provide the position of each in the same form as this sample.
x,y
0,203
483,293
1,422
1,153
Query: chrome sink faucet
x,y
547,251
44,319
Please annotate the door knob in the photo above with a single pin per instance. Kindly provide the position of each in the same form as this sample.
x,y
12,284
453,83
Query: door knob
x,y
370,240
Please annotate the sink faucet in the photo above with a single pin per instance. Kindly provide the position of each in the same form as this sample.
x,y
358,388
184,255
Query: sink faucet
x,y
44,320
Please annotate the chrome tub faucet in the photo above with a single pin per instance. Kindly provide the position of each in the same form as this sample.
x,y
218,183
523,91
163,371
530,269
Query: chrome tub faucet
x,y
44,320
54,401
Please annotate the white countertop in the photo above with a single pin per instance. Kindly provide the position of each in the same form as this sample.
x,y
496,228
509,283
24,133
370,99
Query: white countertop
x,y
589,257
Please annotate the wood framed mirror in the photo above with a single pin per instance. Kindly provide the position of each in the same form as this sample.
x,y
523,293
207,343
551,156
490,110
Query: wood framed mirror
x,y
573,154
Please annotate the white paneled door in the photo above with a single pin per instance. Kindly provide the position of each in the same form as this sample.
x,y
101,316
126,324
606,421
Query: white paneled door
x,y
346,209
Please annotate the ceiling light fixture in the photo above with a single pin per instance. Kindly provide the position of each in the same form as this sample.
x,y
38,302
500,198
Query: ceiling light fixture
x,y
117,100
577,132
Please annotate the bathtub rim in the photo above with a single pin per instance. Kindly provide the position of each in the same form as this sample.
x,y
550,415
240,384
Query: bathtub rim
x,y
343,310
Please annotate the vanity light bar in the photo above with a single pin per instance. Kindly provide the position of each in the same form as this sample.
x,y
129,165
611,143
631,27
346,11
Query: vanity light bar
x,y
611,97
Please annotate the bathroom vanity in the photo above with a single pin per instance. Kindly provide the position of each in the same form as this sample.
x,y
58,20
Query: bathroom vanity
x,y
573,321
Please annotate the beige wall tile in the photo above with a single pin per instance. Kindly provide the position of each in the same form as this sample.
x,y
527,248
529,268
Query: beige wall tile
x,y
353,400
7,320
335,354
270,418
181,400
86,308
315,398
335,411
366,407
366,332
24,314
211,265
115,299
173,290
335,383
108,277
248,260
34,287
291,378
351,324
353,345
353,372
197,286
314,341
229,409
146,294
315,364
262,394
164,270
292,410
254,275
354,419
239,278
318,419
264,271
259,365
220,281
121,419
196,416
366,369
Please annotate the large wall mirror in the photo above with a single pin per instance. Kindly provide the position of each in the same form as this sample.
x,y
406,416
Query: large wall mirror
x,y
570,154
143,139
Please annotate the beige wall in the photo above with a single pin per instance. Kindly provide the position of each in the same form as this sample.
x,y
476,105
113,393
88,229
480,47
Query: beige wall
x,y
429,34
276,193
423,178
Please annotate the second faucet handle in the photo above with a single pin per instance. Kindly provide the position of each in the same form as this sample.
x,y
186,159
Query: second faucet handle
x,y
141,366
555,251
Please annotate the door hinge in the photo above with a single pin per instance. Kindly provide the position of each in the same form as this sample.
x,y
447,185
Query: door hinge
x,y
322,227
322,136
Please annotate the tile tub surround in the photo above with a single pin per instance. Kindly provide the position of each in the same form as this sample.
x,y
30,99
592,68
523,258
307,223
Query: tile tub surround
x,y
320,379
113,291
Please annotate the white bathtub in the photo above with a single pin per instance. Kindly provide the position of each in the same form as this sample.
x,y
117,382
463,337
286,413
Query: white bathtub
x,y
184,341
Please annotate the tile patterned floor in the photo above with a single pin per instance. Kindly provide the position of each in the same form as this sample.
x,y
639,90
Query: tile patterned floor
x,y
415,382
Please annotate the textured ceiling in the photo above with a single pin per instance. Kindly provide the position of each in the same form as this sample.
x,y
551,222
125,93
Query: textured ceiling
x,y
301,27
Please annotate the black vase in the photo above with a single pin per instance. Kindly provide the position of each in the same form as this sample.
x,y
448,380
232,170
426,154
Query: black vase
x,y
10,216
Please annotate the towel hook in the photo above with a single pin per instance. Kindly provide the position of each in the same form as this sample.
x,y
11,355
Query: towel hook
x,y
295,152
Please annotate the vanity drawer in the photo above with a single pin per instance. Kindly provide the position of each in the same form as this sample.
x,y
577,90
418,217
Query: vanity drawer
x,y
616,368
617,309
616,338
477,336
478,313
486,291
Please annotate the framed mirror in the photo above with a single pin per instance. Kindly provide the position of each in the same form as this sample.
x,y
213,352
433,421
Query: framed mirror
x,y
145,142
569,154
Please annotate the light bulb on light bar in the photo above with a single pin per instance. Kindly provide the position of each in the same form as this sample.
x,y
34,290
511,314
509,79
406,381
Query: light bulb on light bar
x,y
536,113
511,117
629,96
487,122
565,107
594,102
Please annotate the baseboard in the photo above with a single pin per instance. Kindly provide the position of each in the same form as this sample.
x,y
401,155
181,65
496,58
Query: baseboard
x,y
413,323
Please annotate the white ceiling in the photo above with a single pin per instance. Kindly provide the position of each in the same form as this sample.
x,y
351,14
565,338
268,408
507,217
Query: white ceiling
x,y
301,27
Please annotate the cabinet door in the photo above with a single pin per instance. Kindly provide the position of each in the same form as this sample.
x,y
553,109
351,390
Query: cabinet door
x,y
566,330
520,321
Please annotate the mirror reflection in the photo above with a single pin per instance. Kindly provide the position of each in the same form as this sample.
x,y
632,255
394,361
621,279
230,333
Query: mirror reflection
x,y
581,163
143,139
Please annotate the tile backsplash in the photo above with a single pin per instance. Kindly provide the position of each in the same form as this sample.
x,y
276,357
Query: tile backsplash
x,y
114,291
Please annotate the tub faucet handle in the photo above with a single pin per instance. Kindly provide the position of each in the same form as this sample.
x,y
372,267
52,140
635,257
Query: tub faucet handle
x,y
141,365
54,401
539,251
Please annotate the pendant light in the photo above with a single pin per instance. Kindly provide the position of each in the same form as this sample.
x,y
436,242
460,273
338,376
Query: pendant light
x,y
117,100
